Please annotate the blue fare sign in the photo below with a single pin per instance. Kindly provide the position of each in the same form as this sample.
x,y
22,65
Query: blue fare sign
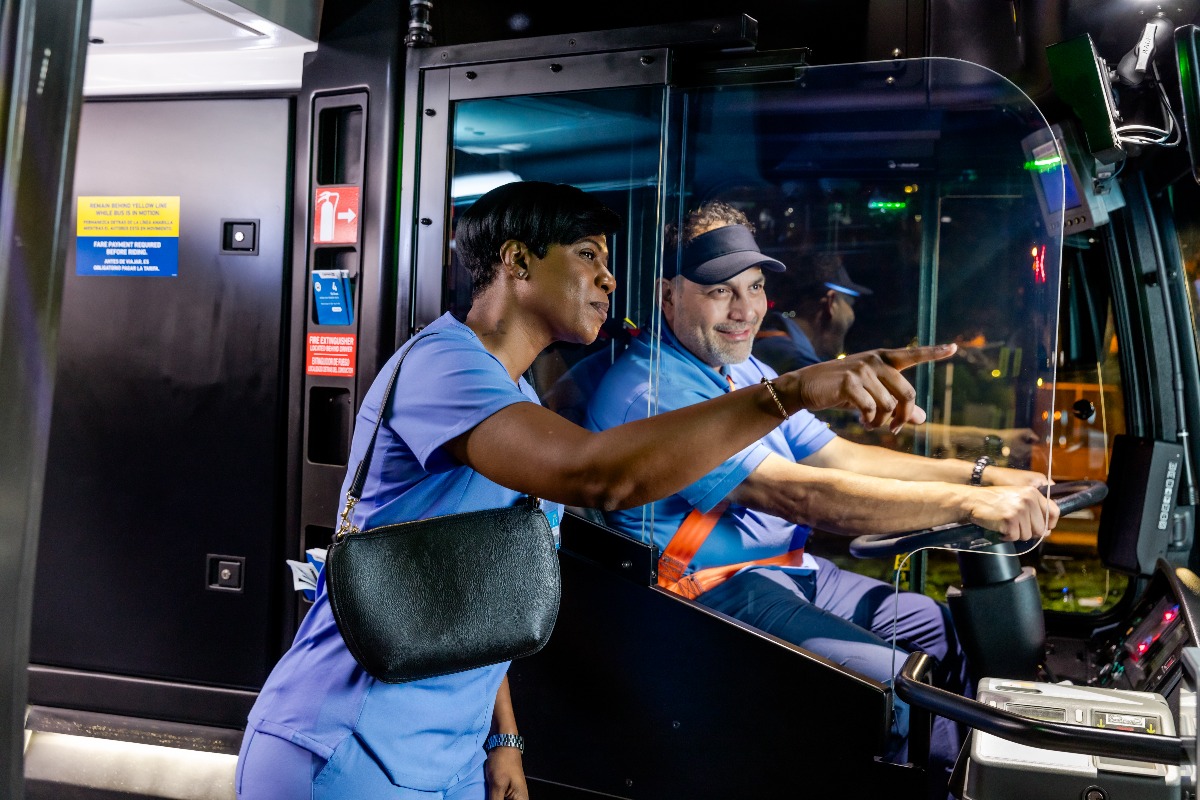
x,y
157,257
331,296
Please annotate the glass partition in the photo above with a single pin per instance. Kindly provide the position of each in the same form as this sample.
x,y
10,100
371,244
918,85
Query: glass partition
x,y
607,143
926,195
913,202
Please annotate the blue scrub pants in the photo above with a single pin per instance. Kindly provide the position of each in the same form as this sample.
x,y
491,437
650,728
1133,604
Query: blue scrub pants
x,y
849,619
270,768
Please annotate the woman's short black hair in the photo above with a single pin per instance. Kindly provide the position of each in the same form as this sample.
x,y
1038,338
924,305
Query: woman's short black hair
x,y
536,213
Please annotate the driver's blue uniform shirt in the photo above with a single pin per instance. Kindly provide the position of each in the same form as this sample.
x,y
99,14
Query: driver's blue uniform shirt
x,y
627,393
839,615
426,734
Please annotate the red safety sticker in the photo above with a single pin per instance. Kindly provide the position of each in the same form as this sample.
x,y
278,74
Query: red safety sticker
x,y
335,215
331,354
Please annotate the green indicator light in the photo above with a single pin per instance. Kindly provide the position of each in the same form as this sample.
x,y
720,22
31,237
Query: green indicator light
x,y
1044,164
887,205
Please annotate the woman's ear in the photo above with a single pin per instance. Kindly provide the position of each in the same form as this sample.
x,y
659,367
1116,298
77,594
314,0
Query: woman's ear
x,y
513,257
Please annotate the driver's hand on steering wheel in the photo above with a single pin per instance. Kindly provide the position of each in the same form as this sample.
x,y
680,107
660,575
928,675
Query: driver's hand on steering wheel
x,y
1005,476
1017,513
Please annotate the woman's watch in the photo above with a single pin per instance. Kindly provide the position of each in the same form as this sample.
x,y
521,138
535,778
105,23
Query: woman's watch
x,y
504,740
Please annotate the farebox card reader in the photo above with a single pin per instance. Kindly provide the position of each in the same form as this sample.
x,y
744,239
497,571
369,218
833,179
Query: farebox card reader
x,y
1000,768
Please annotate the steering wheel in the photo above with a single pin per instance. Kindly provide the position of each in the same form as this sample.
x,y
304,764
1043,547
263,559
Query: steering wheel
x,y
1070,496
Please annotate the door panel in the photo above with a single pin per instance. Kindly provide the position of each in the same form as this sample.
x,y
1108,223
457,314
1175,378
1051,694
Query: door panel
x,y
165,460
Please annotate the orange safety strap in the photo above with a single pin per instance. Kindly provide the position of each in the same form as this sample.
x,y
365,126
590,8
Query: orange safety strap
x,y
686,542
673,563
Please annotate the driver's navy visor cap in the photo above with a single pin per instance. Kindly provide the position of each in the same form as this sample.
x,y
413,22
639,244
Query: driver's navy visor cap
x,y
719,254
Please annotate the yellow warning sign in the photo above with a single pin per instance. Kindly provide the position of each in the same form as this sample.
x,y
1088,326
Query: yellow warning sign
x,y
149,215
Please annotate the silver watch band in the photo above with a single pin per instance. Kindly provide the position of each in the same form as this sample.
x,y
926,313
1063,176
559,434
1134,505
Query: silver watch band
x,y
504,740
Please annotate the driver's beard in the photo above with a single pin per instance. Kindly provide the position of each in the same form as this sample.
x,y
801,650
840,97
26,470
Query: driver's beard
x,y
718,353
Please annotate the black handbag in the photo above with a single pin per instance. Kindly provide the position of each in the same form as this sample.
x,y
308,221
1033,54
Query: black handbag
x,y
436,596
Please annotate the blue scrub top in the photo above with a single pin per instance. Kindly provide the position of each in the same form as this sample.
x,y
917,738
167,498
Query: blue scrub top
x,y
426,734
629,392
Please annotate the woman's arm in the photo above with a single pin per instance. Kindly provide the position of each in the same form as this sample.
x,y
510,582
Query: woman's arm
x,y
530,449
504,770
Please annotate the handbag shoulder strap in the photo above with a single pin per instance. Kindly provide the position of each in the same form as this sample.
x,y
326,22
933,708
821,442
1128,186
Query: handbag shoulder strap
x,y
354,493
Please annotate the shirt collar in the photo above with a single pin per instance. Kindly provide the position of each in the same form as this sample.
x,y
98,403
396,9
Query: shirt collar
x,y
671,345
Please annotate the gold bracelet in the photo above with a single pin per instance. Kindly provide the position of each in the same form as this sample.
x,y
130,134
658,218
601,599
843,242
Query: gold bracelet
x,y
775,396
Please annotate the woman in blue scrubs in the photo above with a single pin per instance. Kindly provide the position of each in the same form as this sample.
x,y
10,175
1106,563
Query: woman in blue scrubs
x,y
466,432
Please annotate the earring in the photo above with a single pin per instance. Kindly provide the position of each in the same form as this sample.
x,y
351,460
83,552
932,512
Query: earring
x,y
522,273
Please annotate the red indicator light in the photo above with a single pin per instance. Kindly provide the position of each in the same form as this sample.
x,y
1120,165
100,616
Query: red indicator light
x,y
1142,647
1039,264
1168,616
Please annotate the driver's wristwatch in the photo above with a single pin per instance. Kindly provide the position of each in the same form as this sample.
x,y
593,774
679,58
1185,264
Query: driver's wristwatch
x,y
977,472
504,740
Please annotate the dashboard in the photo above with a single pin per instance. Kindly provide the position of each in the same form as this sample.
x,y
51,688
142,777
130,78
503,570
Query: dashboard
x,y
1144,654
1142,651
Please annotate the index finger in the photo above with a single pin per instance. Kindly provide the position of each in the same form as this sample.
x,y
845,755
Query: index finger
x,y
905,357
906,409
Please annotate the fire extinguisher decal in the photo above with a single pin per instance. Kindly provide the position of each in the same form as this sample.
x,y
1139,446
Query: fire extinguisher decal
x,y
335,215
326,215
